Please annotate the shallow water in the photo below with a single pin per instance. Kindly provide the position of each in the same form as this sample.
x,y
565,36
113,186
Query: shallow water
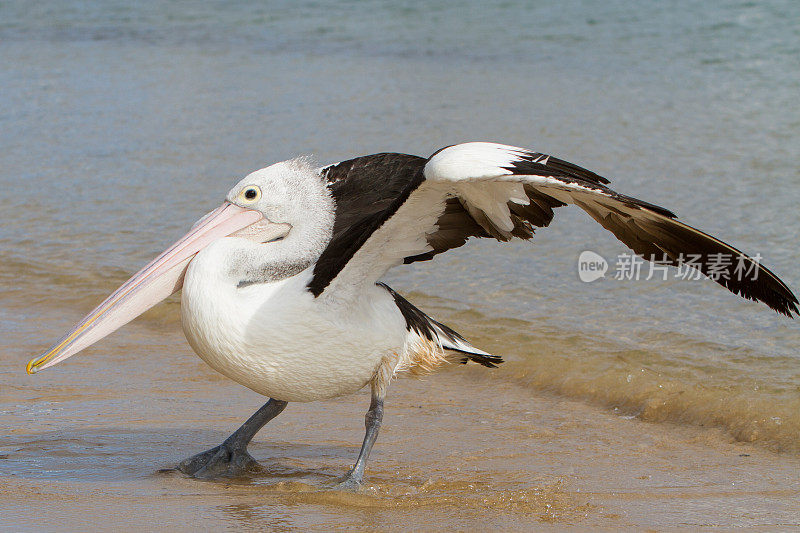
x,y
121,126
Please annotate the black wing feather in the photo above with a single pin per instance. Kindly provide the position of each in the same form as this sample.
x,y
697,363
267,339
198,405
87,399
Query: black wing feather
x,y
367,191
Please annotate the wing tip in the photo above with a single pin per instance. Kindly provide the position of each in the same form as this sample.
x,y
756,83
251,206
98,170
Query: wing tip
x,y
768,289
783,304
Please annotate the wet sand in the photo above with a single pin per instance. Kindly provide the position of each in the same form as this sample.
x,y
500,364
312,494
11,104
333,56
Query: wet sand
x,y
466,448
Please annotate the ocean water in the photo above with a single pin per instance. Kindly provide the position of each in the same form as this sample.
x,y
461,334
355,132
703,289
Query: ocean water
x,y
122,123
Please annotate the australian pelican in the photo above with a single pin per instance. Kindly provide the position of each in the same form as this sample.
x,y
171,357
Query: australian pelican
x,y
281,289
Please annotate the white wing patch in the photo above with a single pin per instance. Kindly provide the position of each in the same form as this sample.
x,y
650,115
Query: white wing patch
x,y
473,161
480,174
468,166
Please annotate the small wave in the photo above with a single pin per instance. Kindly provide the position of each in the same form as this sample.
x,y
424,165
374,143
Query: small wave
x,y
684,381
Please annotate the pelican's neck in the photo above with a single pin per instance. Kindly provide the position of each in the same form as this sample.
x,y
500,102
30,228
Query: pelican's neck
x,y
229,281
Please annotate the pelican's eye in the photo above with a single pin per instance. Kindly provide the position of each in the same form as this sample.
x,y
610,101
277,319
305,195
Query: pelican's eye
x,y
250,194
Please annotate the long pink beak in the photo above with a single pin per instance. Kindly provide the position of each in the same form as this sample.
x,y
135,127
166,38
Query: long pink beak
x,y
157,280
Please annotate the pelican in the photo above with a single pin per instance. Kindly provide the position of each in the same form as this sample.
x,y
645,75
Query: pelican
x,y
281,286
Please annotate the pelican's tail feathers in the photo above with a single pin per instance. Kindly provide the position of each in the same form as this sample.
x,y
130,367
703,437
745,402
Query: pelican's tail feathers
x,y
433,337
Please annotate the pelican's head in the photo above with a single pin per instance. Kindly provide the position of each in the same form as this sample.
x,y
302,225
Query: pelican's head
x,y
284,192
269,205
290,194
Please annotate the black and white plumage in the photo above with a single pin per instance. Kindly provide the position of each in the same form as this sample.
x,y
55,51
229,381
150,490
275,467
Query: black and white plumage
x,y
492,190
281,284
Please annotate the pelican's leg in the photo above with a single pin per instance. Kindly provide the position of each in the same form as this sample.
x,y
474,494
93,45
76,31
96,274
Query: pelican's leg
x,y
372,421
231,458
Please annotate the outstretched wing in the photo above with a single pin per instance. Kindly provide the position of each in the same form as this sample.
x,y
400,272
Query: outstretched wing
x,y
425,207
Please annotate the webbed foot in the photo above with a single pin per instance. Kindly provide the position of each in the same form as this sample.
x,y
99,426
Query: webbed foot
x,y
220,461
350,483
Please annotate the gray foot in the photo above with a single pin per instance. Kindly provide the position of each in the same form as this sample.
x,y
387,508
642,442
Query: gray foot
x,y
349,483
220,461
